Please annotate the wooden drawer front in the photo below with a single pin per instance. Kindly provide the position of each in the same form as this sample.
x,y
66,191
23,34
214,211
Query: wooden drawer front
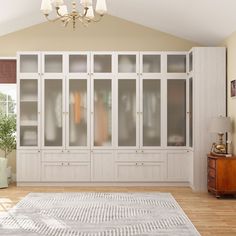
x,y
211,172
211,163
69,156
140,155
211,182
140,172
65,172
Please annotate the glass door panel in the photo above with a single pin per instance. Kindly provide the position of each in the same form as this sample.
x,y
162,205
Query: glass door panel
x,y
176,63
176,112
53,64
190,61
78,108
102,64
77,63
127,112
29,64
191,112
102,112
126,63
151,63
53,120
29,112
151,112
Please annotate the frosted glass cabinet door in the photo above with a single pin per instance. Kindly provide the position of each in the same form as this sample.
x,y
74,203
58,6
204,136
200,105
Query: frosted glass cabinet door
x,y
151,63
102,63
29,63
102,112
176,112
53,120
78,107
176,63
127,112
78,64
127,63
151,112
28,112
53,63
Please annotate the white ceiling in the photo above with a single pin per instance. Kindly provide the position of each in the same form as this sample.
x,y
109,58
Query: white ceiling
x,y
207,22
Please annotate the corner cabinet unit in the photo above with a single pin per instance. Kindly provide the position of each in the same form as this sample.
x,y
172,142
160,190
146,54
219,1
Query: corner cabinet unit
x,y
105,117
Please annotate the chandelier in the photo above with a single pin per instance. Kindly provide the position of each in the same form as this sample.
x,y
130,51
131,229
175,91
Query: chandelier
x,y
83,12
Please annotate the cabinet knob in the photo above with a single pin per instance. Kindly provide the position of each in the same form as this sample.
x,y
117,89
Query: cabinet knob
x,y
62,163
136,164
38,150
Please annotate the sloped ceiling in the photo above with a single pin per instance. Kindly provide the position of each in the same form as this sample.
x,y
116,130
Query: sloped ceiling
x,y
206,22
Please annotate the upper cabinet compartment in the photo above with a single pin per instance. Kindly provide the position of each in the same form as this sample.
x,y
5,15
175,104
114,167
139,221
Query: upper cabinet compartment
x,y
78,63
127,63
150,63
102,63
176,63
28,64
53,63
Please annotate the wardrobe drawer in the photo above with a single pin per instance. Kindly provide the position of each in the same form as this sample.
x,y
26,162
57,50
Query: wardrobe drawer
x,y
64,155
139,155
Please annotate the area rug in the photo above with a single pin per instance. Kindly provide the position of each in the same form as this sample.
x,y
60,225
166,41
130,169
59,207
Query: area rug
x,y
96,214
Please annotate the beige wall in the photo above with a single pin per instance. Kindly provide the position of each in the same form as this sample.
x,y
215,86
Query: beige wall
x,y
111,34
230,44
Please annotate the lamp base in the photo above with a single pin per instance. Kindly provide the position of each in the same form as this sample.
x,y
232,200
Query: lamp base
x,y
219,148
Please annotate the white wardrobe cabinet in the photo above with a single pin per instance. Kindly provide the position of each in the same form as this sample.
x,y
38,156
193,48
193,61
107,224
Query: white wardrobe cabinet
x,y
116,116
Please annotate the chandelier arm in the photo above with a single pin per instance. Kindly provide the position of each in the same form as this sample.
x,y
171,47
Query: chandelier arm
x,y
52,20
83,21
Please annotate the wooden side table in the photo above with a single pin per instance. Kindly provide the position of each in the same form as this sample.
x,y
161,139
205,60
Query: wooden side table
x,y
221,175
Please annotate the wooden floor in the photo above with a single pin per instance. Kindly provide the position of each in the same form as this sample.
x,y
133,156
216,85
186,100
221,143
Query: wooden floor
x,y
210,216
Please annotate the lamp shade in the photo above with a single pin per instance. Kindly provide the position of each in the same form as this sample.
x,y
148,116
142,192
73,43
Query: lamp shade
x,y
63,10
86,3
220,124
101,7
46,6
90,13
58,3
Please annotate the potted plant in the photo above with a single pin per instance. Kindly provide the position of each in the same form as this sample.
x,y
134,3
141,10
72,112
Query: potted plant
x,y
7,145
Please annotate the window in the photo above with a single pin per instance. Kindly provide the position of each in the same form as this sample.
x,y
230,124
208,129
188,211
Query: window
x,y
8,99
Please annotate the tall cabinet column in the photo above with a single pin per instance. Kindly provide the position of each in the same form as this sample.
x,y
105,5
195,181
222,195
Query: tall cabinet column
x,y
28,117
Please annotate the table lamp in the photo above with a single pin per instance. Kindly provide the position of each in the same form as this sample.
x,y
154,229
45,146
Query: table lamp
x,y
220,125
